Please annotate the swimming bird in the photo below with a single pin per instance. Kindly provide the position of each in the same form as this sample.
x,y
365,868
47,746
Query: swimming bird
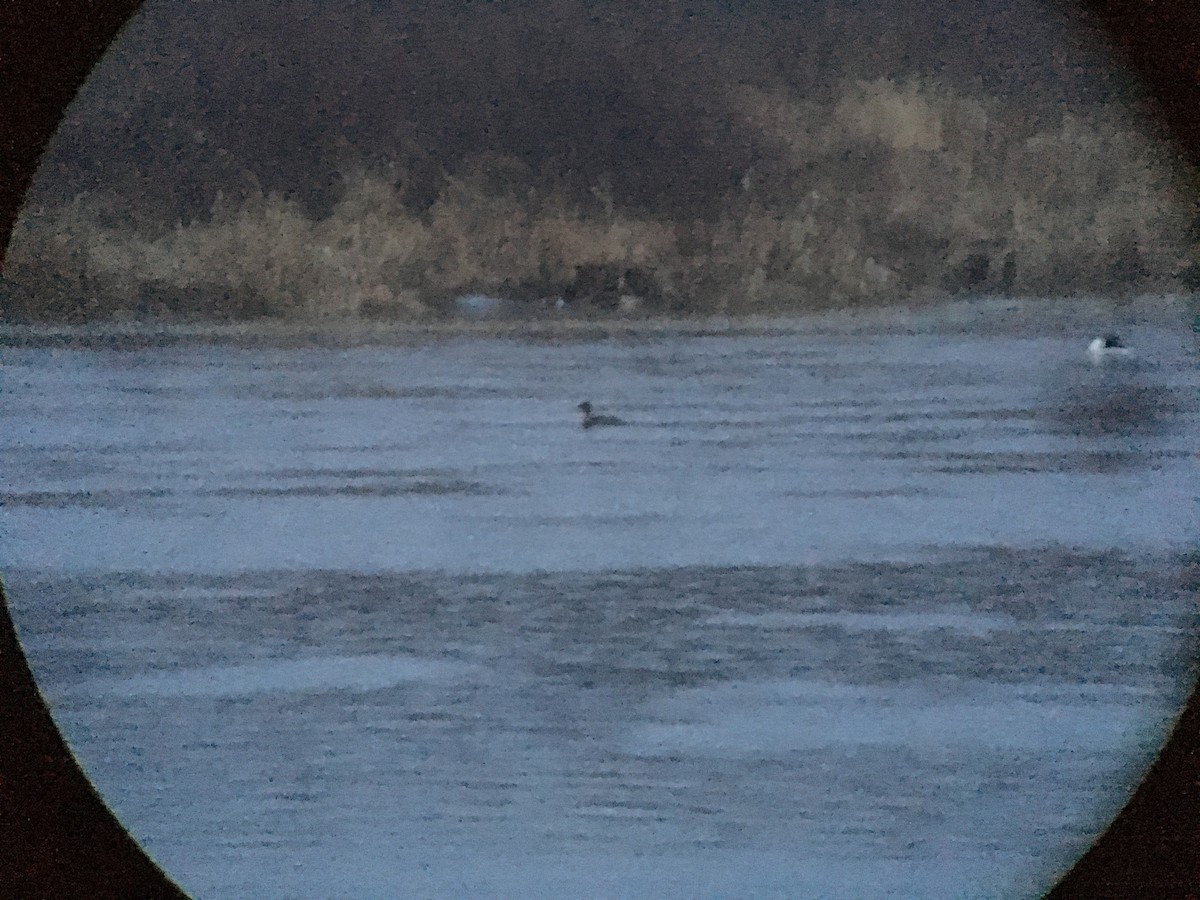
x,y
590,420
1108,346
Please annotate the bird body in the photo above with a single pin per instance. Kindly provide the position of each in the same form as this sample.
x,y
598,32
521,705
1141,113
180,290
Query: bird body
x,y
591,420
1106,347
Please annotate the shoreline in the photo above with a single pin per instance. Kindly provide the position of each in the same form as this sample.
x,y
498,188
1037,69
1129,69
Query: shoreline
x,y
994,316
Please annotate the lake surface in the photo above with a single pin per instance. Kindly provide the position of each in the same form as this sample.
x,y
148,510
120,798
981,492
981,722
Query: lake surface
x,y
850,613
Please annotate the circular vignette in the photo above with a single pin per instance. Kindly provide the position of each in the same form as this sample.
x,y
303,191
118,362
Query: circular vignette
x,y
56,835
1150,847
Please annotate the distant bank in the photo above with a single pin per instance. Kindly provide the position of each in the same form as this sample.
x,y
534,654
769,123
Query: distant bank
x,y
1083,317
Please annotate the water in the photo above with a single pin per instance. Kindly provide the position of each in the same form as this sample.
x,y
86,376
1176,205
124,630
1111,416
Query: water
x,y
840,613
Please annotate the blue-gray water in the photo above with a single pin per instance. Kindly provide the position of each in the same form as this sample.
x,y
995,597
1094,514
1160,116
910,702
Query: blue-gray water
x,y
856,613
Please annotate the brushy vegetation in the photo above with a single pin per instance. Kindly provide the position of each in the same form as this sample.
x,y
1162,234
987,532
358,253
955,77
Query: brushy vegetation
x,y
888,192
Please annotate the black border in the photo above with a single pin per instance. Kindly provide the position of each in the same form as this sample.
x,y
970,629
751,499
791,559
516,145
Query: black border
x,y
58,839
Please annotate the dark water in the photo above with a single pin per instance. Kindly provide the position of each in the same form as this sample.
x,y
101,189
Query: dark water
x,y
857,614
963,722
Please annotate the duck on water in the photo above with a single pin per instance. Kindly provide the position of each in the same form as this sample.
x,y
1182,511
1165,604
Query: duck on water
x,y
1106,347
591,420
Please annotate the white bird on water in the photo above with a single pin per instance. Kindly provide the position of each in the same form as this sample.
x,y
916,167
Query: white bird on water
x,y
1106,347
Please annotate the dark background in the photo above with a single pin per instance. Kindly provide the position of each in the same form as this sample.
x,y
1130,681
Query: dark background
x,y
289,92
